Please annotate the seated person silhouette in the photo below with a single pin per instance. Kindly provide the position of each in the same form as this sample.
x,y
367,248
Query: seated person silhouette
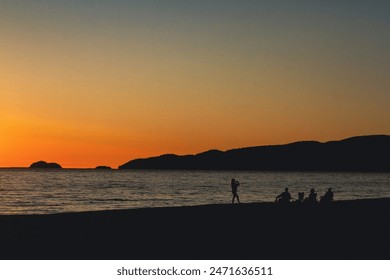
x,y
312,198
301,195
327,197
284,197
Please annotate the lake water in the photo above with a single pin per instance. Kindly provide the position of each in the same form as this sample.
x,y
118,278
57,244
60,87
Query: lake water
x,y
24,191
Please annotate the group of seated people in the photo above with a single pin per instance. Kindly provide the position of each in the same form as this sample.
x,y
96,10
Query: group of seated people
x,y
285,197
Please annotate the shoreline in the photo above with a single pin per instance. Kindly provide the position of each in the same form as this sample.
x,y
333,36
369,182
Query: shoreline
x,y
243,204
349,229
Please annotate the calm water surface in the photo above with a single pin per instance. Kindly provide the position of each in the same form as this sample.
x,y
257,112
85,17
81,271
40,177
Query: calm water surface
x,y
24,191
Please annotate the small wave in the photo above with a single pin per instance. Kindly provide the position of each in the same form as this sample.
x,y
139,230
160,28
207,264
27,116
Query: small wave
x,y
112,199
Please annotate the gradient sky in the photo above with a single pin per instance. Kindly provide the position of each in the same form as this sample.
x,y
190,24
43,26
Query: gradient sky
x,y
87,83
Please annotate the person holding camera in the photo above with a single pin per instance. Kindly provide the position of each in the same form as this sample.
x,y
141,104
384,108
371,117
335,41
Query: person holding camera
x,y
234,184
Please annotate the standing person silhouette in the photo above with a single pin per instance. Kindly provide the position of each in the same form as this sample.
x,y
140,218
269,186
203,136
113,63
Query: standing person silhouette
x,y
234,184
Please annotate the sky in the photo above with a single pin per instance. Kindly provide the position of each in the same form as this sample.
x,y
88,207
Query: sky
x,y
87,83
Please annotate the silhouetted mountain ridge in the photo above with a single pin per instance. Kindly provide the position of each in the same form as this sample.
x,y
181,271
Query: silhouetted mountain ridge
x,y
360,153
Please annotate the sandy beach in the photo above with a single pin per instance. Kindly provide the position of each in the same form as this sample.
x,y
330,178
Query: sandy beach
x,y
355,229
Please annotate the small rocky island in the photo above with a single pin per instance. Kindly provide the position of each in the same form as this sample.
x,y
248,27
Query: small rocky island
x,y
103,167
44,164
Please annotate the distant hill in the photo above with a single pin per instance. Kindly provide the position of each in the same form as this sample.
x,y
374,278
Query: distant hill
x,y
361,153
44,164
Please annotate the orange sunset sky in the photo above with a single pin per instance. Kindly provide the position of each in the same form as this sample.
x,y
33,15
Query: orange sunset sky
x,y
87,83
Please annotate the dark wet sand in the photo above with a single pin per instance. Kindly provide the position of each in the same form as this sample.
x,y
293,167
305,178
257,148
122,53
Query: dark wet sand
x,y
357,229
